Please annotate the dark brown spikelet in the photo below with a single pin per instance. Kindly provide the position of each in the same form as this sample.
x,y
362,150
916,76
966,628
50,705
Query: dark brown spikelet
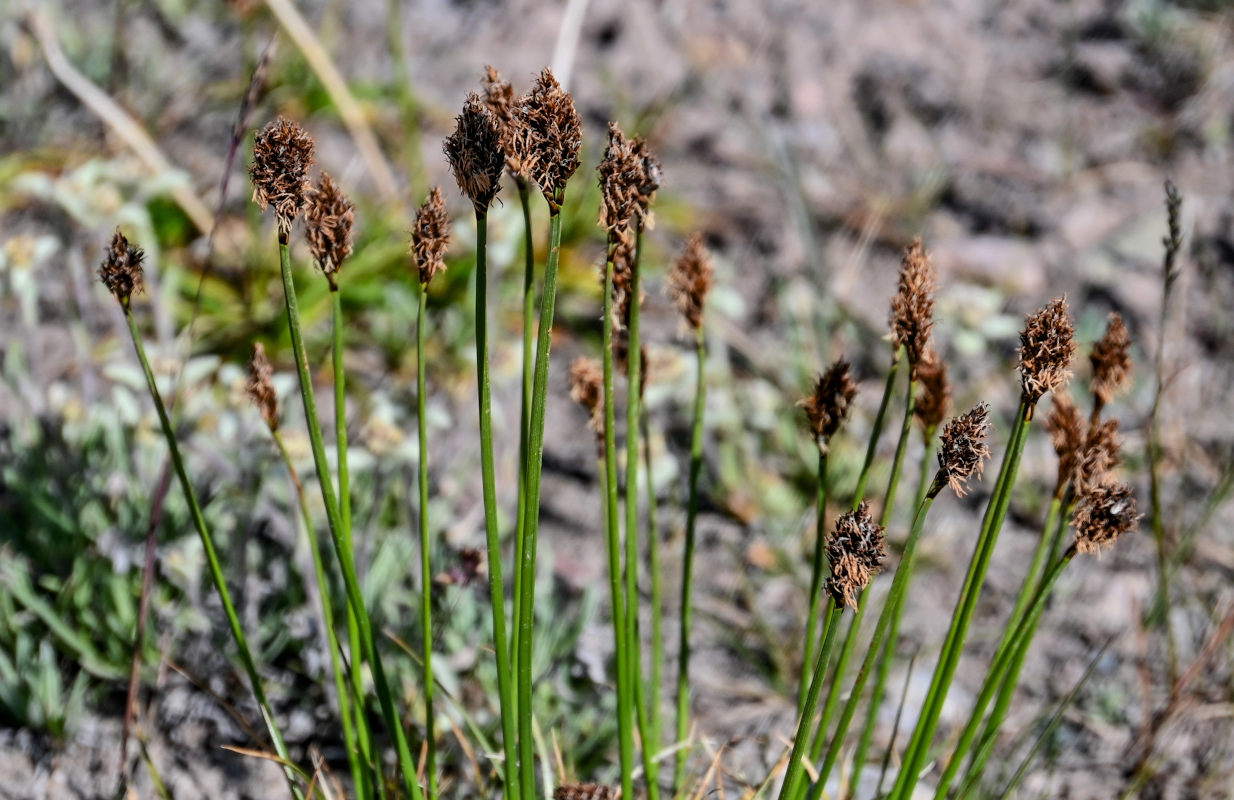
x,y
1100,454
827,406
690,281
1105,513
547,136
621,176
260,386
1047,347
1066,427
651,173
587,389
430,236
1174,239
584,791
499,97
475,153
328,221
282,155
934,394
856,550
912,308
1111,359
121,271
963,451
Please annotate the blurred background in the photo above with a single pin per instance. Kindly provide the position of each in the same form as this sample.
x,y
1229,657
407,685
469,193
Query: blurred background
x,y
1027,141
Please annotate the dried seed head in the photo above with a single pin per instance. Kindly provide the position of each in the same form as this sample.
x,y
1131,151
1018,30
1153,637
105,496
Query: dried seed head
x,y
1174,239
499,97
1105,513
912,308
584,791
260,387
547,136
1047,346
475,153
328,220
120,271
827,406
651,174
1066,427
282,155
1101,453
963,451
621,175
856,550
430,236
934,397
587,389
1111,359
690,281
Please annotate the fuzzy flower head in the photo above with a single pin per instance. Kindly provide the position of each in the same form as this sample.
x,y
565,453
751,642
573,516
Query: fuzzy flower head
x,y
621,176
475,153
282,156
651,174
1099,456
856,550
430,236
963,451
912,307
1047,347
934,396
1111,360
587,389
1105,513
121,271
547,137
690,281
1066,427
827,406
260,386
584,791
328,221
499,97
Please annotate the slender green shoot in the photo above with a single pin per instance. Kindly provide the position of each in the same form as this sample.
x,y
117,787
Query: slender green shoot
x,y
796,768
655,681
817,567
426,570
529,321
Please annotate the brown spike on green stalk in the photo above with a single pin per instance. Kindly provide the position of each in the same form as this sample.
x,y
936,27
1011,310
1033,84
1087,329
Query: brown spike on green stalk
x,y
475,153
1066,428
120,270
283,152
1106,513
260,386
934,399
547,136
827,405
500,99
1111,360
856,549
1102,452
912,307
587,389
328,220
1047,348
690,280
430,236
963,451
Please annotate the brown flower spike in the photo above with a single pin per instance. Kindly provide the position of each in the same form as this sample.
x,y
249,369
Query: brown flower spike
x,y
430,236
963,451
827,406
328,221
912,308
1111,359
475,153
621,178
1100,454
690,281
651,174
547,136
282,155
499,97
584,791
260,387
121,271
934,395
1105,513
587,389
856,550
1067,430
1047,347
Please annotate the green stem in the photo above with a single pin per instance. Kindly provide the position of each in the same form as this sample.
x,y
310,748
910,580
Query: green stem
x,y
655,682
496,582
613,538
212,559
426,570
795,771
817,567
341,545
529,319
535,462
687,564
877,429
907,565
953,646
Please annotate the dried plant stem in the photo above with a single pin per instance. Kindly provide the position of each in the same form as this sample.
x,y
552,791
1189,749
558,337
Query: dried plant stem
x,y
1007,688
887,656
212,559
817,567
426,570
342,546
876,429
359,768
535,462
795,770
613,537
497,591
529,321
953,645
655,682
687,563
